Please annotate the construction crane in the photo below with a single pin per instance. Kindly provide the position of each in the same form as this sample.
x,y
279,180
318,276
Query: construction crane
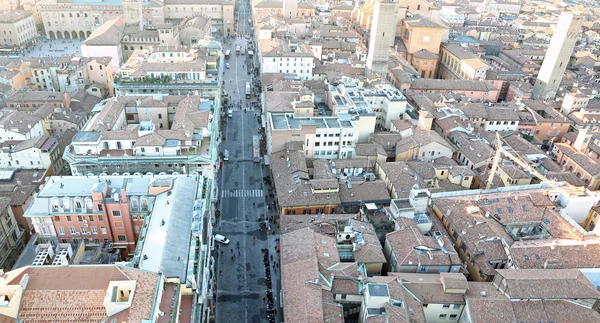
x,y
516,159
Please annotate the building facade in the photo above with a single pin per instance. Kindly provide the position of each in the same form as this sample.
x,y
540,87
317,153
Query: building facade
x,y
78,19
17,28
164,71
139,135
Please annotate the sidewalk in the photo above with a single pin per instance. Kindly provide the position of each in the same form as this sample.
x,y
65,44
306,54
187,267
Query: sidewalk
x,y
272,240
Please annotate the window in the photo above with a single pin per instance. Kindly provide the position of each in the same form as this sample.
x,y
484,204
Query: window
x,y
103,230
446,306
121,237
452,316
100,218
157,149
79,218
72,230
94,230
83,230
99,207
160,116
57,219
91,218
442,316
68,218
61,230
116,213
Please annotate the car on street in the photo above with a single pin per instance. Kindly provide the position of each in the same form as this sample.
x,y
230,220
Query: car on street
x,y
230,113
227,65
221,239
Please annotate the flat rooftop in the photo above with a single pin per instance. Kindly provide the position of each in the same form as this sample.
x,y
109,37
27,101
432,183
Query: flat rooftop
x,y
289,122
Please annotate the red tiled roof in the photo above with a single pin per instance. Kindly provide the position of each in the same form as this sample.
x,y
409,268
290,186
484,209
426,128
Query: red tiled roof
x,y
76,293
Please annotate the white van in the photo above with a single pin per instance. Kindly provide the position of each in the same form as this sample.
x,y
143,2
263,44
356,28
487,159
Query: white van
x,y
226,155
230,113
221,239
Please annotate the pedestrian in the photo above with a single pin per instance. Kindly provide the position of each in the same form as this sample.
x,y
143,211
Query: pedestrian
x,y
221,273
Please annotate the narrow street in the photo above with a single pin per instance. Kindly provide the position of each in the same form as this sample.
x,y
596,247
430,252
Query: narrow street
x,y
245,267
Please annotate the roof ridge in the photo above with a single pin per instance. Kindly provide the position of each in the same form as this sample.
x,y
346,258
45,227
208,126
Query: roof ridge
x,y
122,272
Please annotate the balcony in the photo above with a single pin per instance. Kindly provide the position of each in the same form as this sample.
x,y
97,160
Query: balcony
x,y
148,83
201,153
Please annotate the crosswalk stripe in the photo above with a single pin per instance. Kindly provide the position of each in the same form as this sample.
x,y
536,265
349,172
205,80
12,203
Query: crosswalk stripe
x,y
242,193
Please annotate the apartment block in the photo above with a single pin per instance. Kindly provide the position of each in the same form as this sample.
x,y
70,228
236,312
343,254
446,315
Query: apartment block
x,y
338,292
168,71
18,28
412,250
29,101
93,209
460,64
145,134
288,57
504,229
18,126
41,152
513,296
420,40
440,175
21,185
385,101
400,296
11,235
477,91
321,137
341,185
578,163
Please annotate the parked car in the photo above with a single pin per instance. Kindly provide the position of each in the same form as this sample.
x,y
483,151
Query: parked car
x,y
221,239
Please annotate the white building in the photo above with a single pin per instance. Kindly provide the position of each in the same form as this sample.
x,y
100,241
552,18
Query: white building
x,y
503,7
279,56
321,137
35,153
452,18
18,126
385,101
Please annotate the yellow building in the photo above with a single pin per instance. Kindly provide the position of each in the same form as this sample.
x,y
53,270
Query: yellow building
x,y
420,40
